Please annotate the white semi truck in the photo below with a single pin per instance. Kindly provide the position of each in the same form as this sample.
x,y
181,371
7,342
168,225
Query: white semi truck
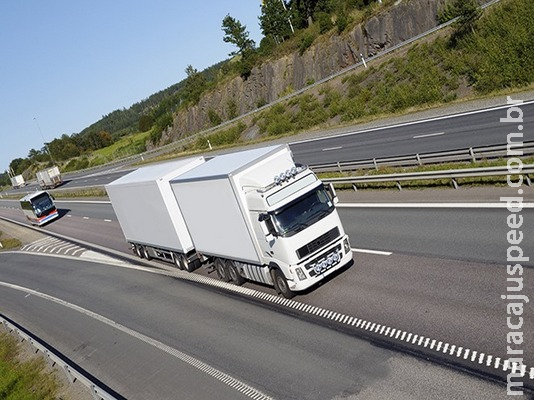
x,y
18,181
49,178
252,215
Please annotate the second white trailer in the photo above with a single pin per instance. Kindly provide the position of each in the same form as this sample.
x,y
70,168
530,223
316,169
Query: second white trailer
x,y
149,215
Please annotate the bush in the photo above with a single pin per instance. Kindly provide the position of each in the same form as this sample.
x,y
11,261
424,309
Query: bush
x,y
306,41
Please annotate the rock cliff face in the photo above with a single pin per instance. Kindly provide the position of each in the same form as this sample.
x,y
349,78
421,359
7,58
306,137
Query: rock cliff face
x,y
272,80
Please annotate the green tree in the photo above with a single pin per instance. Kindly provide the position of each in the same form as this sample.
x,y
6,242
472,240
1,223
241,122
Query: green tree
x,y
19,165
275,20
237,34
468,12
145,123
195,84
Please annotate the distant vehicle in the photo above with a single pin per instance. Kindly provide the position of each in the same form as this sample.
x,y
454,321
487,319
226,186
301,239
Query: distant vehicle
x,y
253,215
18,181
49,178
39,208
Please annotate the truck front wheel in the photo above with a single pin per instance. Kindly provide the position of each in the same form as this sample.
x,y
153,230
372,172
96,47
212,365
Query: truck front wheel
x,y
280,284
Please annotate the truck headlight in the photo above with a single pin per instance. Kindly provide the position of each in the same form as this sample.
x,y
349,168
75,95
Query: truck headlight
x,y
300,274
346,245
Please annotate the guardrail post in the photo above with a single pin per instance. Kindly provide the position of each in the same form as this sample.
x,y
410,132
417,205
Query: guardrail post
x,y
49,358
94,392
374,162
454,183
418,159
472,154
70,377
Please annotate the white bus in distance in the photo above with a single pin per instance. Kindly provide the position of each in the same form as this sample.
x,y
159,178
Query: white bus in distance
x,y
39,208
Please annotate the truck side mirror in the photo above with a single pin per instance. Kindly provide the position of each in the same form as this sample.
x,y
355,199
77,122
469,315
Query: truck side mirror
x,y
332,192
264,220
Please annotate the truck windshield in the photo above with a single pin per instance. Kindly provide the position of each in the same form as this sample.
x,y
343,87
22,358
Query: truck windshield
x,y
302,212
42,204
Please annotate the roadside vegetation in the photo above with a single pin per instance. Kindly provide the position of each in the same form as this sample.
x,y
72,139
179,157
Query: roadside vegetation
x,y
8,243
434,183
27,380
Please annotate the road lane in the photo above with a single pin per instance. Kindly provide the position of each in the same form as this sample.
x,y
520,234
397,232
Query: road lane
x,y
455,132
284,356
454,298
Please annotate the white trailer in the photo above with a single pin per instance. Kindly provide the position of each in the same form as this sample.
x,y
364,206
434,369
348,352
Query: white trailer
x,y
17,181
49,178
256,215
149,215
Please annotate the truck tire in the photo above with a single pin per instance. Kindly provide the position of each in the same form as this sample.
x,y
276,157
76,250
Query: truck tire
x,y
280,284
138,250
234,274
146,254
190,266
222,270
178,261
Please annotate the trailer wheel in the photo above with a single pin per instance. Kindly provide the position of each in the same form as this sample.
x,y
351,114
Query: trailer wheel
x,y
138,251
222,270
178,261
280,284
146,253
234,274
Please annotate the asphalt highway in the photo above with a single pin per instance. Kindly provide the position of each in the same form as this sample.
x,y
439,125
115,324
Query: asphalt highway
x,y
150,336
434,286
459,131
451,132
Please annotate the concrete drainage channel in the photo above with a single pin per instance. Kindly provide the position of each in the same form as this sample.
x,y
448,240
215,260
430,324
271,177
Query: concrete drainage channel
x,y
453,355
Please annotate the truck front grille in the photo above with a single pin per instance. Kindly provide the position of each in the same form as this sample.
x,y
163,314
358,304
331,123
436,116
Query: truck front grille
x,y
318,243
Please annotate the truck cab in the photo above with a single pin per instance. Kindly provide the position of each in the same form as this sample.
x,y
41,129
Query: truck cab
x,y
298,229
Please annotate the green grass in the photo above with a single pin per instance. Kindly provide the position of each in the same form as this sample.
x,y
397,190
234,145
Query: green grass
x,y
7,244
23,380
126,146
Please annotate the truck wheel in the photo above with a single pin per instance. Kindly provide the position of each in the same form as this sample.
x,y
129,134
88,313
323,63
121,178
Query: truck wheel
x,y
138,251
280,284
147,254
190,266
178,261
234,274
222,270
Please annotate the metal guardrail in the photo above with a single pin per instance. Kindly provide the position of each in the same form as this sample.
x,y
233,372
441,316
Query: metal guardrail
x,y
452,174
73,372
471,154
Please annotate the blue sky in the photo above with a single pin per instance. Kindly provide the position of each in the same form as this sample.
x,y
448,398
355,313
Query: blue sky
x,y
64,64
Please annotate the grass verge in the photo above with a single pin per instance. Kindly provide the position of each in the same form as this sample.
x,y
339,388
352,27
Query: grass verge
x,y
8,243
23,380
422,184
